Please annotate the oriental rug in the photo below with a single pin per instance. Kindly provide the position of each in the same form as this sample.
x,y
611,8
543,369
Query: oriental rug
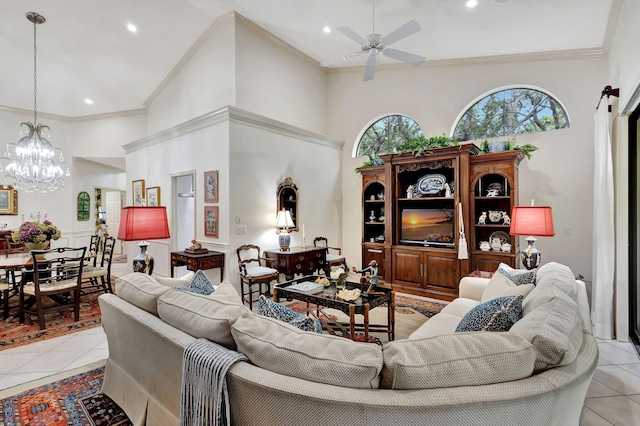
x,y
14,334
74,401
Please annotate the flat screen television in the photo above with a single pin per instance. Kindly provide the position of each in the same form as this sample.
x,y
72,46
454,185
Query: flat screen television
x,y
428,227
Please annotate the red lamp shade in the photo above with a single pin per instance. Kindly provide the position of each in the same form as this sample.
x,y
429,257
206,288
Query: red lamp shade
x,y
532,220
142,223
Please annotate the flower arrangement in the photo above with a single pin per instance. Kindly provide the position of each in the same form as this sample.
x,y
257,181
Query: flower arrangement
x,y
36,232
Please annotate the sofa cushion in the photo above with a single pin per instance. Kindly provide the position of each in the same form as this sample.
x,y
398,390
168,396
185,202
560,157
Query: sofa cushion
x,y
495,315
451,360
442,323
553,327
500,285
176,282
557,276
141,290
517,276
460,307
271,309
209,317
199,284
284,349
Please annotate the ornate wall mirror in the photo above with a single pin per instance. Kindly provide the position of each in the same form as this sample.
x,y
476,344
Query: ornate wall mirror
x,y
83,206
287,195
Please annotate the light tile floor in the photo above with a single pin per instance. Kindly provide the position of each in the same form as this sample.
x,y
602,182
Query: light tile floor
x,y
613,397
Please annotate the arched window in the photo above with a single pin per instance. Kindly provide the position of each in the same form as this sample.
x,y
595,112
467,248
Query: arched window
x,y
386,134
509,112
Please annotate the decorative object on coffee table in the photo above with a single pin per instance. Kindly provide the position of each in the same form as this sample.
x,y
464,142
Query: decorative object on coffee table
x,y
532,221
142,223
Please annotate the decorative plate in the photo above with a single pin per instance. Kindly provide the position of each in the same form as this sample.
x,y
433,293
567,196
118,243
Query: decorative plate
x,y
431,184
503,236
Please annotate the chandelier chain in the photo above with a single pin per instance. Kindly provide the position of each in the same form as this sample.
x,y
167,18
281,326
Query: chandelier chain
x,y
35,75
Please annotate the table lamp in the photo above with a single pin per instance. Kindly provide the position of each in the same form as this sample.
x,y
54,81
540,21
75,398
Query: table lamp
x,y
283,223
142,223
531,220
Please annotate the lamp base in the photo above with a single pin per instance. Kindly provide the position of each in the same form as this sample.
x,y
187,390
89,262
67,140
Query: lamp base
x,y
144,260
284,239
531,256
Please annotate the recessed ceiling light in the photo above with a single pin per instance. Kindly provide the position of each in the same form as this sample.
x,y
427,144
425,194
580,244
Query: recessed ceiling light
x,y
327,30
88,101
471,3
132,28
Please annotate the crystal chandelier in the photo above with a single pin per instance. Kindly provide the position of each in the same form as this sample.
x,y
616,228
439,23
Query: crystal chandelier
x,y
33,163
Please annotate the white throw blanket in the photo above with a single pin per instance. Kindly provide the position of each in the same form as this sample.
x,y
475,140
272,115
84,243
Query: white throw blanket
x,y
204,399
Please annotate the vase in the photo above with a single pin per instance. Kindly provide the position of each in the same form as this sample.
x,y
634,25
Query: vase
x,y
37,246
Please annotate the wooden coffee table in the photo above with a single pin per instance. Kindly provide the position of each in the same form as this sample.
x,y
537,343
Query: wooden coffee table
x,y
328,299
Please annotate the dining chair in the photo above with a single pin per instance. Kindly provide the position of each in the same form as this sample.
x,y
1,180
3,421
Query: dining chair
x,y
7,290
94,248
333,259
254,269
99,276
55,274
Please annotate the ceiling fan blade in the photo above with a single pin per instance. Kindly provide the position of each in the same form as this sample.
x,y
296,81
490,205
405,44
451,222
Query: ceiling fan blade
x,y
353,35
403,56
406,30
341,58
370,67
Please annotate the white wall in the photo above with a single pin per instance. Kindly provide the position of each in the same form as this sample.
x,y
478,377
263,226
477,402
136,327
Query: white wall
x,y
261,157
276,81
205,82
559,174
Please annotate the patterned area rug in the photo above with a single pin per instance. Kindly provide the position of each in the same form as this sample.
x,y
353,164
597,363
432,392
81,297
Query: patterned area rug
x,y
14,334
74,401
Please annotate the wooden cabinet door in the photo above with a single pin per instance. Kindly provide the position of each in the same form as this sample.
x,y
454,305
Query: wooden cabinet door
x,y
442,270
374,253
407,267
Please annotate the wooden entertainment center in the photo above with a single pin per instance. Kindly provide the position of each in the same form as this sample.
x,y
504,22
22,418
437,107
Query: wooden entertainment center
x,y
411,216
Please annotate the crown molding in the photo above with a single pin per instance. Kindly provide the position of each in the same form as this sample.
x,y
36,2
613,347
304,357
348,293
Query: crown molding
x,y
80,119
237,115
559,55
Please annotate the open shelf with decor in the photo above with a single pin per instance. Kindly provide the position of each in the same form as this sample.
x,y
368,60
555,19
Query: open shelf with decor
x,y
493,193
374,217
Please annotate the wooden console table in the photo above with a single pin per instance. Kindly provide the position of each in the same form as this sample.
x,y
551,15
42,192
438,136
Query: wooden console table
x,y
193,262
299,260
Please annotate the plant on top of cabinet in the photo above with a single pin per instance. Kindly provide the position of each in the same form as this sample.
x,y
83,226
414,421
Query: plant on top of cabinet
x,y
509,145
421,146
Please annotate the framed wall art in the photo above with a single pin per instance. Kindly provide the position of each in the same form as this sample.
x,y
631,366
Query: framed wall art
x,y
153,196
8,200
211,221
138,192
211,186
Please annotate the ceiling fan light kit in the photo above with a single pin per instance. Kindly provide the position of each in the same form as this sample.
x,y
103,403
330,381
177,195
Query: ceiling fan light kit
x,y
375,43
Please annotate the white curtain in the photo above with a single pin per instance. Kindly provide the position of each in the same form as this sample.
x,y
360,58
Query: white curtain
x,y
603,260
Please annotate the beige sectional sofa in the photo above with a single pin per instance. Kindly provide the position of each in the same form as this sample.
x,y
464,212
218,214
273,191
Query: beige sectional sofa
x,y
535,374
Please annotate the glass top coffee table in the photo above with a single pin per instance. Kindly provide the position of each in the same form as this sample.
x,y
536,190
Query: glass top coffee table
x,y
327,299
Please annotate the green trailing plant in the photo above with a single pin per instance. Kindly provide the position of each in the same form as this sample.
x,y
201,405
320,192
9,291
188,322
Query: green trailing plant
x,y
423,146
370,162
527,149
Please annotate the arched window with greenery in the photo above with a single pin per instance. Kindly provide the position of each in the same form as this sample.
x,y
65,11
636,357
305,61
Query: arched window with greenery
x,y
386,134
511,112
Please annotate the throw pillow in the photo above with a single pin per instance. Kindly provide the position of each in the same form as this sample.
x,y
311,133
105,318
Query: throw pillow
x,y
499,285
271,309
495,315
199,284
517,276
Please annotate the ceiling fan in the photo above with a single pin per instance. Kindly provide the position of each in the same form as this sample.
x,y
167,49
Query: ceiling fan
x,y
374,44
